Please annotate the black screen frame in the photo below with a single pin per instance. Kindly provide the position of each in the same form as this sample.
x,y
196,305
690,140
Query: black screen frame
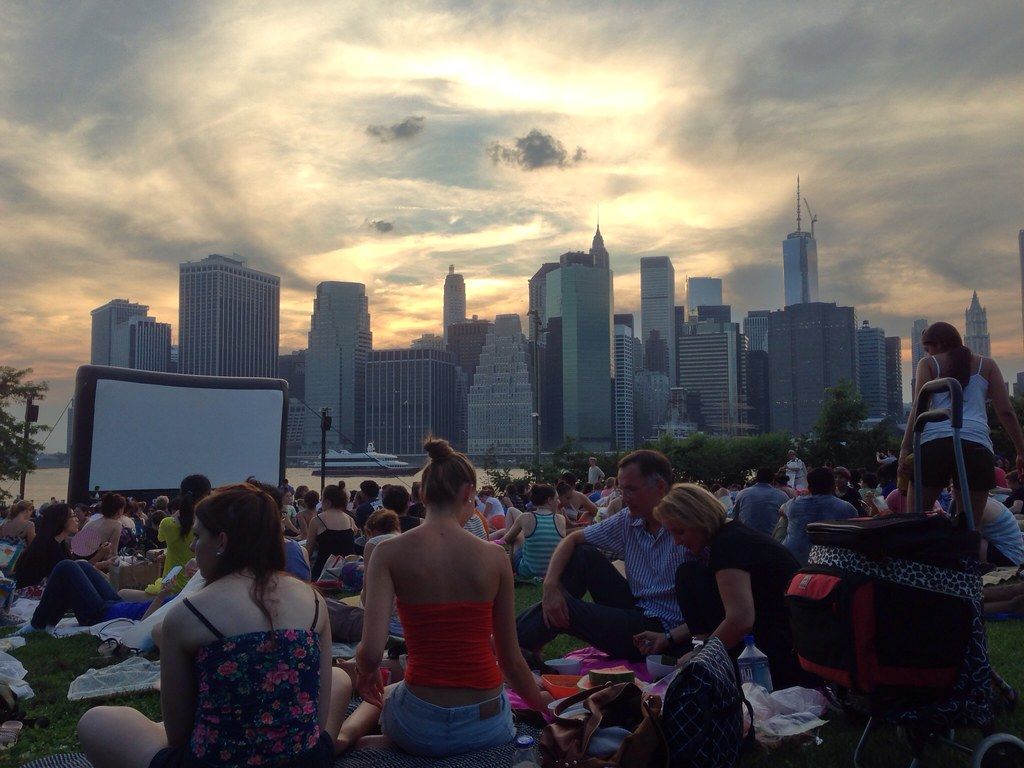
x,y
85,411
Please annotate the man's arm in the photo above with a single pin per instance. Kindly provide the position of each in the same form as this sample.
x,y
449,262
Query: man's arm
x,y
556,612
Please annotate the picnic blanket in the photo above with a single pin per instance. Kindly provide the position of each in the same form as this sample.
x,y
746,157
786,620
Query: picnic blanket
x,y
359,758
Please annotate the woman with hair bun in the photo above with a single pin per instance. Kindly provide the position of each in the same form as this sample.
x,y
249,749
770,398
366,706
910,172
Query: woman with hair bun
x,y
981,380
453,592
245,663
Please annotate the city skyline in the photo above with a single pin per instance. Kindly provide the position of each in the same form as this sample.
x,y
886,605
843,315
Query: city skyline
x,y
328,143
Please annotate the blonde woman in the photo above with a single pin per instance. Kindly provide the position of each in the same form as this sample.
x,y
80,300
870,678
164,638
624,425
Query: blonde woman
x,y
735,588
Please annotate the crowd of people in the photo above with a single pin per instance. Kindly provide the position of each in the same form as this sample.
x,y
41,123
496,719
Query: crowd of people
x,y
632,564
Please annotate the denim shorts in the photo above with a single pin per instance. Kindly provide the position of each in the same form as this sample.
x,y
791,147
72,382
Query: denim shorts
x,y
422,728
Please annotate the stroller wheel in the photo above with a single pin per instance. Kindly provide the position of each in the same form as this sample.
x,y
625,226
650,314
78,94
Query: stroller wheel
x,y
1000,750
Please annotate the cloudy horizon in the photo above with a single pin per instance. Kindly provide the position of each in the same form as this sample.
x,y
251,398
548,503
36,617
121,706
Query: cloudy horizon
x,y
382,143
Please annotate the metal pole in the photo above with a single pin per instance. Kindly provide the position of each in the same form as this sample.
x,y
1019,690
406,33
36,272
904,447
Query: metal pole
x,y
24,437
324,426
536,387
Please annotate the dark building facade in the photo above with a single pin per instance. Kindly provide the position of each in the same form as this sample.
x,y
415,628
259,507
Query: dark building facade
x,y
894,377
812,346
758,403
409,396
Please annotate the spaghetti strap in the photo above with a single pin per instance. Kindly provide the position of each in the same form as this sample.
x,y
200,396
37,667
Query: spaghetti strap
x,y
316,612
981,362
936,362
206,622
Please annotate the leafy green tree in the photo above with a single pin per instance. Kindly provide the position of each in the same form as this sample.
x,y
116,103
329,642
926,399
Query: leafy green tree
x,y
837,424
497,475
16,454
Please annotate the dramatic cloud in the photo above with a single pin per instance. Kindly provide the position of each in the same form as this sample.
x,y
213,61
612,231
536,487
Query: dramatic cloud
x,y
403,130
534,150
377,225
135,138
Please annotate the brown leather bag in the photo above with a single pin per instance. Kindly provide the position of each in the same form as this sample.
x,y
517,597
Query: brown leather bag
x,y
564,742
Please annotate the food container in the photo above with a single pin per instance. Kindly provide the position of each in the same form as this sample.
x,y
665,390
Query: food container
x,y
565,666
657,668
560,686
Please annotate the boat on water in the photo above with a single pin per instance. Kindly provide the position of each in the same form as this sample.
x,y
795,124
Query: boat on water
x,y
342,463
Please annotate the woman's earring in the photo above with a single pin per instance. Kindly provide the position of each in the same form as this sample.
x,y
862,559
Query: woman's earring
x,y
220,552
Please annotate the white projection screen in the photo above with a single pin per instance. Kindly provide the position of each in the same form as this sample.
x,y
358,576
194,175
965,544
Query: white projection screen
x,y
140,433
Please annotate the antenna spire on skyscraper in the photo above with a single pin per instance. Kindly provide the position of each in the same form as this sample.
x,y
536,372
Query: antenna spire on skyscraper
x,y
798,203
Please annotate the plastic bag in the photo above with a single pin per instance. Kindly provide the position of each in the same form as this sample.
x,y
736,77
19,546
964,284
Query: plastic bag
x,y
784,714
13,673
131,675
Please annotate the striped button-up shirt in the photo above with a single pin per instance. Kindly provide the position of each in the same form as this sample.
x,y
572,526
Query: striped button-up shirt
x,y
651,562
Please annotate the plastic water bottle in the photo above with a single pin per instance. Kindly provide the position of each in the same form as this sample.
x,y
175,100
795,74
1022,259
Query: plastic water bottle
x,y
525,755
754,666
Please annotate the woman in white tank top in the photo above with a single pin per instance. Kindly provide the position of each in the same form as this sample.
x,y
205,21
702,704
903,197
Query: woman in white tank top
x,y
981,381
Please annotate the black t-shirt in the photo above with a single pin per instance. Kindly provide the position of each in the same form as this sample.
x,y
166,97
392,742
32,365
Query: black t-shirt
x,y
771,566
37,562
364,510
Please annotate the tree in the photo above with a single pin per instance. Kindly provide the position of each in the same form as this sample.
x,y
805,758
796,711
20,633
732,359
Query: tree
x,y
837,424
16,454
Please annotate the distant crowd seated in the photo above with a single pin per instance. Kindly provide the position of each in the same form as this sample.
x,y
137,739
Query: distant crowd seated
x,y
758,506
820,505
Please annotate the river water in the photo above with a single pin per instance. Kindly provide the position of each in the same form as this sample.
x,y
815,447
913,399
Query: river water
x,y
44,483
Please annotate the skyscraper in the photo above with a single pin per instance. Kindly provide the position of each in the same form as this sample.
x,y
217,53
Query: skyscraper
x,y
292,368
625,371
702,292
651,391
657,310
428,341
755,328
715,313
1020,246
104,320
585,301
758,391
894,377
810,347
408,396
711,361
142,343
454,299
977,337
916,351
538,299
800,262
501,396
465,341
871,365
598,253
339,345
228,318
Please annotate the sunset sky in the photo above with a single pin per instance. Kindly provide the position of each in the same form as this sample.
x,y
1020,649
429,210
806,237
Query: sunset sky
x,y
381,142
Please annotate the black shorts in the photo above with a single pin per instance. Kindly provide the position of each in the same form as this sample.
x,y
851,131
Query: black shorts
x,y
938,465
321,756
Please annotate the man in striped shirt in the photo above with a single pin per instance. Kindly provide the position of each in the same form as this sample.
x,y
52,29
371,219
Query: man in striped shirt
x,y
621,607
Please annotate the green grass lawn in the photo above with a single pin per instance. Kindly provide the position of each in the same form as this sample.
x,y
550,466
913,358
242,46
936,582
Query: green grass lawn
x,y
52,664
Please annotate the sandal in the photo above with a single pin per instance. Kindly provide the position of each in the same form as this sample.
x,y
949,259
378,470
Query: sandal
x,y
9,733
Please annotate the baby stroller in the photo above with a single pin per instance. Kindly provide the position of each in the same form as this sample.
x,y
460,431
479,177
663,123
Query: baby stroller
x,y
889,612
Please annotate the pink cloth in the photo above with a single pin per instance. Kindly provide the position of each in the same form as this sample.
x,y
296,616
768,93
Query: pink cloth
x,y
590,658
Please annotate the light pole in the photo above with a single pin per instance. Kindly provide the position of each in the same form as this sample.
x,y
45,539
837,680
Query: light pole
x,y
31,416
325,426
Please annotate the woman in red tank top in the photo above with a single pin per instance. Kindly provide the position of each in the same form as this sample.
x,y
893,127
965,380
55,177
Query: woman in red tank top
x,y
454,594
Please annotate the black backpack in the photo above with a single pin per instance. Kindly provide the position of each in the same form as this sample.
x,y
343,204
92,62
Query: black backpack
x,y
703,711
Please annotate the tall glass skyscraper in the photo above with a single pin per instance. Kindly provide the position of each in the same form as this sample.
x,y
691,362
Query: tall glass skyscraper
x,y
580,295
657,310
625,370
871,370
800,262
755,328
228,318
339,345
